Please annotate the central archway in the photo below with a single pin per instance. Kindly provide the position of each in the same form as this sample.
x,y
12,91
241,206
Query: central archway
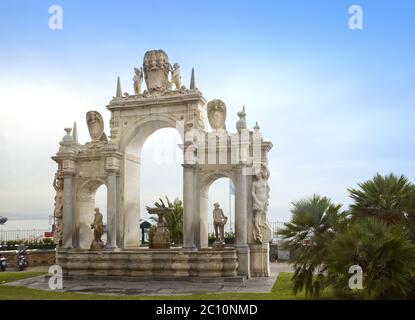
x,y
132,145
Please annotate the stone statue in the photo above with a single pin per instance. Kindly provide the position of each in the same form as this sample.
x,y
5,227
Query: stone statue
x,y
176,78
98,226
138,80
58,211
216,110
219,221
95,124
156,69
262,231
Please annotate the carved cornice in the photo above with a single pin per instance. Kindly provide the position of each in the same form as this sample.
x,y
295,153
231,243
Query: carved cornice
x,y
169,98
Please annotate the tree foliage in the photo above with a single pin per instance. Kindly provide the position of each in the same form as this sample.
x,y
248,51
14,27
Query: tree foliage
x,y
313,224
388,198
385,254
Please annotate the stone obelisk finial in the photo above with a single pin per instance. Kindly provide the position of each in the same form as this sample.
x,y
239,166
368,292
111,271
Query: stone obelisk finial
x,y
119,91
75,133
192,80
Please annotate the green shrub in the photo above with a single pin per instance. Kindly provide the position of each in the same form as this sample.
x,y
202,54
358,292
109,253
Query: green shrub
x,y
384,252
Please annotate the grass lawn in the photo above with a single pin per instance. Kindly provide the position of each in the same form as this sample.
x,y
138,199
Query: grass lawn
x,y
280,291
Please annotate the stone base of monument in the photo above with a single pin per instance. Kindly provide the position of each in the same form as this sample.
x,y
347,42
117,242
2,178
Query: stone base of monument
x,y
160,239
97,245
218,245
149,264
259,260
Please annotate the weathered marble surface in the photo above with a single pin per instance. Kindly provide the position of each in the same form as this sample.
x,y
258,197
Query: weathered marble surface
x,y
149,263
208,155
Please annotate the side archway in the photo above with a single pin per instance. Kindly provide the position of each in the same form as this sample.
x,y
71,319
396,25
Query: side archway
x,y
85,211
202,225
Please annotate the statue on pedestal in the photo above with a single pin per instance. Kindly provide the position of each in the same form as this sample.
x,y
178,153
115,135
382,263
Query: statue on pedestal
x,y
262,231
58,211
138,80
176,78
98,226
219,221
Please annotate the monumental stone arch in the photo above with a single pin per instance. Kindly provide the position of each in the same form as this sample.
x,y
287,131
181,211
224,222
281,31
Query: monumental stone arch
x,y
210,152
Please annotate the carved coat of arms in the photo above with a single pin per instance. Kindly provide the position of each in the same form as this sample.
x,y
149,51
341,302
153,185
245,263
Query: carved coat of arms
x,y
95,124
216,110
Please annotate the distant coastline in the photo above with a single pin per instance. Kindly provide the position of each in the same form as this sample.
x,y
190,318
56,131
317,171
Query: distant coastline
x,y
25,224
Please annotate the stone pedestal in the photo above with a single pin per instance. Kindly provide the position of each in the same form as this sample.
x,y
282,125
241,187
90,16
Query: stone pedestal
x,y
160,237
97,245
259,258
149,264
218,245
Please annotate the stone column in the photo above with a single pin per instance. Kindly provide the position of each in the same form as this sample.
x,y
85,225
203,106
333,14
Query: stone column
x,y
119,217
111,211
188,207
68,219
241,241
131,202
203,229
112,166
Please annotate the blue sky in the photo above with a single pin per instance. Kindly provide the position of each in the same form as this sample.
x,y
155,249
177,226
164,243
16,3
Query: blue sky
x,y
337,104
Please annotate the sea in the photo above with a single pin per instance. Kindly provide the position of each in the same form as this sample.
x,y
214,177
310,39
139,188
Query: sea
x,y
23,224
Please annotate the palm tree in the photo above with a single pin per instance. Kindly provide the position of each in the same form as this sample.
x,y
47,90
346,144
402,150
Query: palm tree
x,y
388,198
174,220
385,254
314,223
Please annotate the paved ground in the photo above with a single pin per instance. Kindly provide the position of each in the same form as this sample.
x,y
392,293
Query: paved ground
x,y
153,287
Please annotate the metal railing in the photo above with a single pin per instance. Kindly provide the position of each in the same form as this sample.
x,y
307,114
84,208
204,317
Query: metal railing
x,y
276,226
25,235
38,234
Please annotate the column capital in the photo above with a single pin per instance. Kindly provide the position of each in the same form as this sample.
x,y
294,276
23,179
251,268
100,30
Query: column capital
x,y
68,167
112,165
189,165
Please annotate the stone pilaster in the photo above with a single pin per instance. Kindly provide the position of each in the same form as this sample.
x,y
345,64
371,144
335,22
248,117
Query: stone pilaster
x,y
259,256
68,169
188,207
241,241
112,166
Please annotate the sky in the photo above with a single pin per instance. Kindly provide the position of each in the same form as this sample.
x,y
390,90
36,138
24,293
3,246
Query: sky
x,y
337,104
